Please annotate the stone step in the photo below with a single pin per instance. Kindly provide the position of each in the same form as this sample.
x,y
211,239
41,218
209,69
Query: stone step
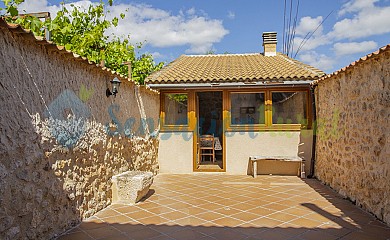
x,y
131,186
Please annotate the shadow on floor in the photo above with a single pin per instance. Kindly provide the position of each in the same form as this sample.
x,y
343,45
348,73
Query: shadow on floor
x,y
325,215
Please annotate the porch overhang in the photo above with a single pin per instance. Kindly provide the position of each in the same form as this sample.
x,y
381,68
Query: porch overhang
x,y
240,85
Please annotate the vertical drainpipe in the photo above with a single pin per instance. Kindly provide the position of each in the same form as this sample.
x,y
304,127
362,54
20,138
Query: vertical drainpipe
x,y
313,152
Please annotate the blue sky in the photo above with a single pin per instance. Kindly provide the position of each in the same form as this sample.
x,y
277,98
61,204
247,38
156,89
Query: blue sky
x,y
175,27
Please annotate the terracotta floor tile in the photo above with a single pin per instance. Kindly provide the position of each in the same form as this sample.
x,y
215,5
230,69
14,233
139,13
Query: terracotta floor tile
x,y
317,217
119,236
266,222
166,229
361,236
228,222
174,215
75,236
153,220
261,211
129,227
209,230
291,230
281,216
102,232
244,207
166,201
306,223
187,234
245,216
273,234
190,221
195,201
211,206
375,230
276,206
179,205
209,216
228,211
296,211
117,219
92,225
139,215
148,205
127,209
229,234
317,235
192,210
227,202
146,233
161,237
160,210
106,213
234,207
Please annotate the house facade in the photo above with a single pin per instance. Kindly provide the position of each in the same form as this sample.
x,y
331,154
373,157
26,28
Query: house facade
x,y
251,104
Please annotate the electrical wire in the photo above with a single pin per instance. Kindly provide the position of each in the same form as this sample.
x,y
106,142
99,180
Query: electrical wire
x,y
304,41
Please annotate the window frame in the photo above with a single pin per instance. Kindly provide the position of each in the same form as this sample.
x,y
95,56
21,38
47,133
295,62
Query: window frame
x,y
241,127
269,125
176,127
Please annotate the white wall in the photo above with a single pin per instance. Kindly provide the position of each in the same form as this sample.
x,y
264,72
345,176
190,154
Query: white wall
x,y
175,153
241,145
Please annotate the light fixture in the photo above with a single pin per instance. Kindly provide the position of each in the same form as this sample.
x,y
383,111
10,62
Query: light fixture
x,y
115,83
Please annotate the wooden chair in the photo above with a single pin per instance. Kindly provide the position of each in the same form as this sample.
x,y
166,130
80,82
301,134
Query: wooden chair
x,y
206,147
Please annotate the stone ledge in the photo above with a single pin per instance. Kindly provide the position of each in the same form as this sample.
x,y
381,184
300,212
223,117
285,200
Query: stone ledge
x,y
131,186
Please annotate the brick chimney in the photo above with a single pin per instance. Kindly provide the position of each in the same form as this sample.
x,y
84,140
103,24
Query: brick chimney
x,y
269,43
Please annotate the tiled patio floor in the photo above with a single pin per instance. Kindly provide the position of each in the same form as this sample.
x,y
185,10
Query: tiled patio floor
x,y
210,206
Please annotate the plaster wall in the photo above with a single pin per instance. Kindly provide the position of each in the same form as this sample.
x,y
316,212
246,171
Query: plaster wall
x,y
62,139
241,145
353,150
175,153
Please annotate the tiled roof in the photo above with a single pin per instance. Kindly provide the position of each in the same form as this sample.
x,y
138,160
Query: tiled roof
x,y
234,68
355,63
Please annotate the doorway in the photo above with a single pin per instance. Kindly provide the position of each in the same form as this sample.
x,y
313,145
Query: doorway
x,y
209,147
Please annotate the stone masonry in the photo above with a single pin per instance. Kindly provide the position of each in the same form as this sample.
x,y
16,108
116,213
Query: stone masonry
x,y
62,139
353,144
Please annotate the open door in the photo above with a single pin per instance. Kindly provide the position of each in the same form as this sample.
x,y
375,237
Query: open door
x,y
209,135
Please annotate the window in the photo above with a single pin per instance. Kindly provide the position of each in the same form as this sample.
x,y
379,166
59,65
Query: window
x,y
247,108
289,108
269,109
176,108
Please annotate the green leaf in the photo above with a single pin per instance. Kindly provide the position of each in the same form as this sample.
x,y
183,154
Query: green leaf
x,y
13,11
68,46
122,15
115,21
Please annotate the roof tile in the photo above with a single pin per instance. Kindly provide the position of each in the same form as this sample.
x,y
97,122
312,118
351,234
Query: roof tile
x,y
234,68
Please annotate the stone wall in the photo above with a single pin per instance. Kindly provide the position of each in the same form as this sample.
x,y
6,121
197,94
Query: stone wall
x,y
62,139
353,150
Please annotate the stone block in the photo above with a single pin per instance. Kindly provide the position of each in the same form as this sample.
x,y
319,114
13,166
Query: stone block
x,y
131,186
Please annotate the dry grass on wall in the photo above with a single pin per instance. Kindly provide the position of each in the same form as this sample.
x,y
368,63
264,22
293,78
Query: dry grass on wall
x,y
353,147
62,139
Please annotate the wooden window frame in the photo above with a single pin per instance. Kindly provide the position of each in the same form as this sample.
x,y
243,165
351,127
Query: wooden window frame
x,y
269,125
190,112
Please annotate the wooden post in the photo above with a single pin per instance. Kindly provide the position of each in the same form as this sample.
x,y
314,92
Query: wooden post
x,y
129,69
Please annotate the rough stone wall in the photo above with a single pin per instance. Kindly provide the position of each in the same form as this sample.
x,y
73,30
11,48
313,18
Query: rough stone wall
x,y
353,150
62,139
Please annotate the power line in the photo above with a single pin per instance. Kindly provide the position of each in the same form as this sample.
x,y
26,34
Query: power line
x,y
304,41
289,28
294,28
284,26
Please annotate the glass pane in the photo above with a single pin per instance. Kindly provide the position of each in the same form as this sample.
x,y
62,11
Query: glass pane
x,y
289,108
176,106
247,108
